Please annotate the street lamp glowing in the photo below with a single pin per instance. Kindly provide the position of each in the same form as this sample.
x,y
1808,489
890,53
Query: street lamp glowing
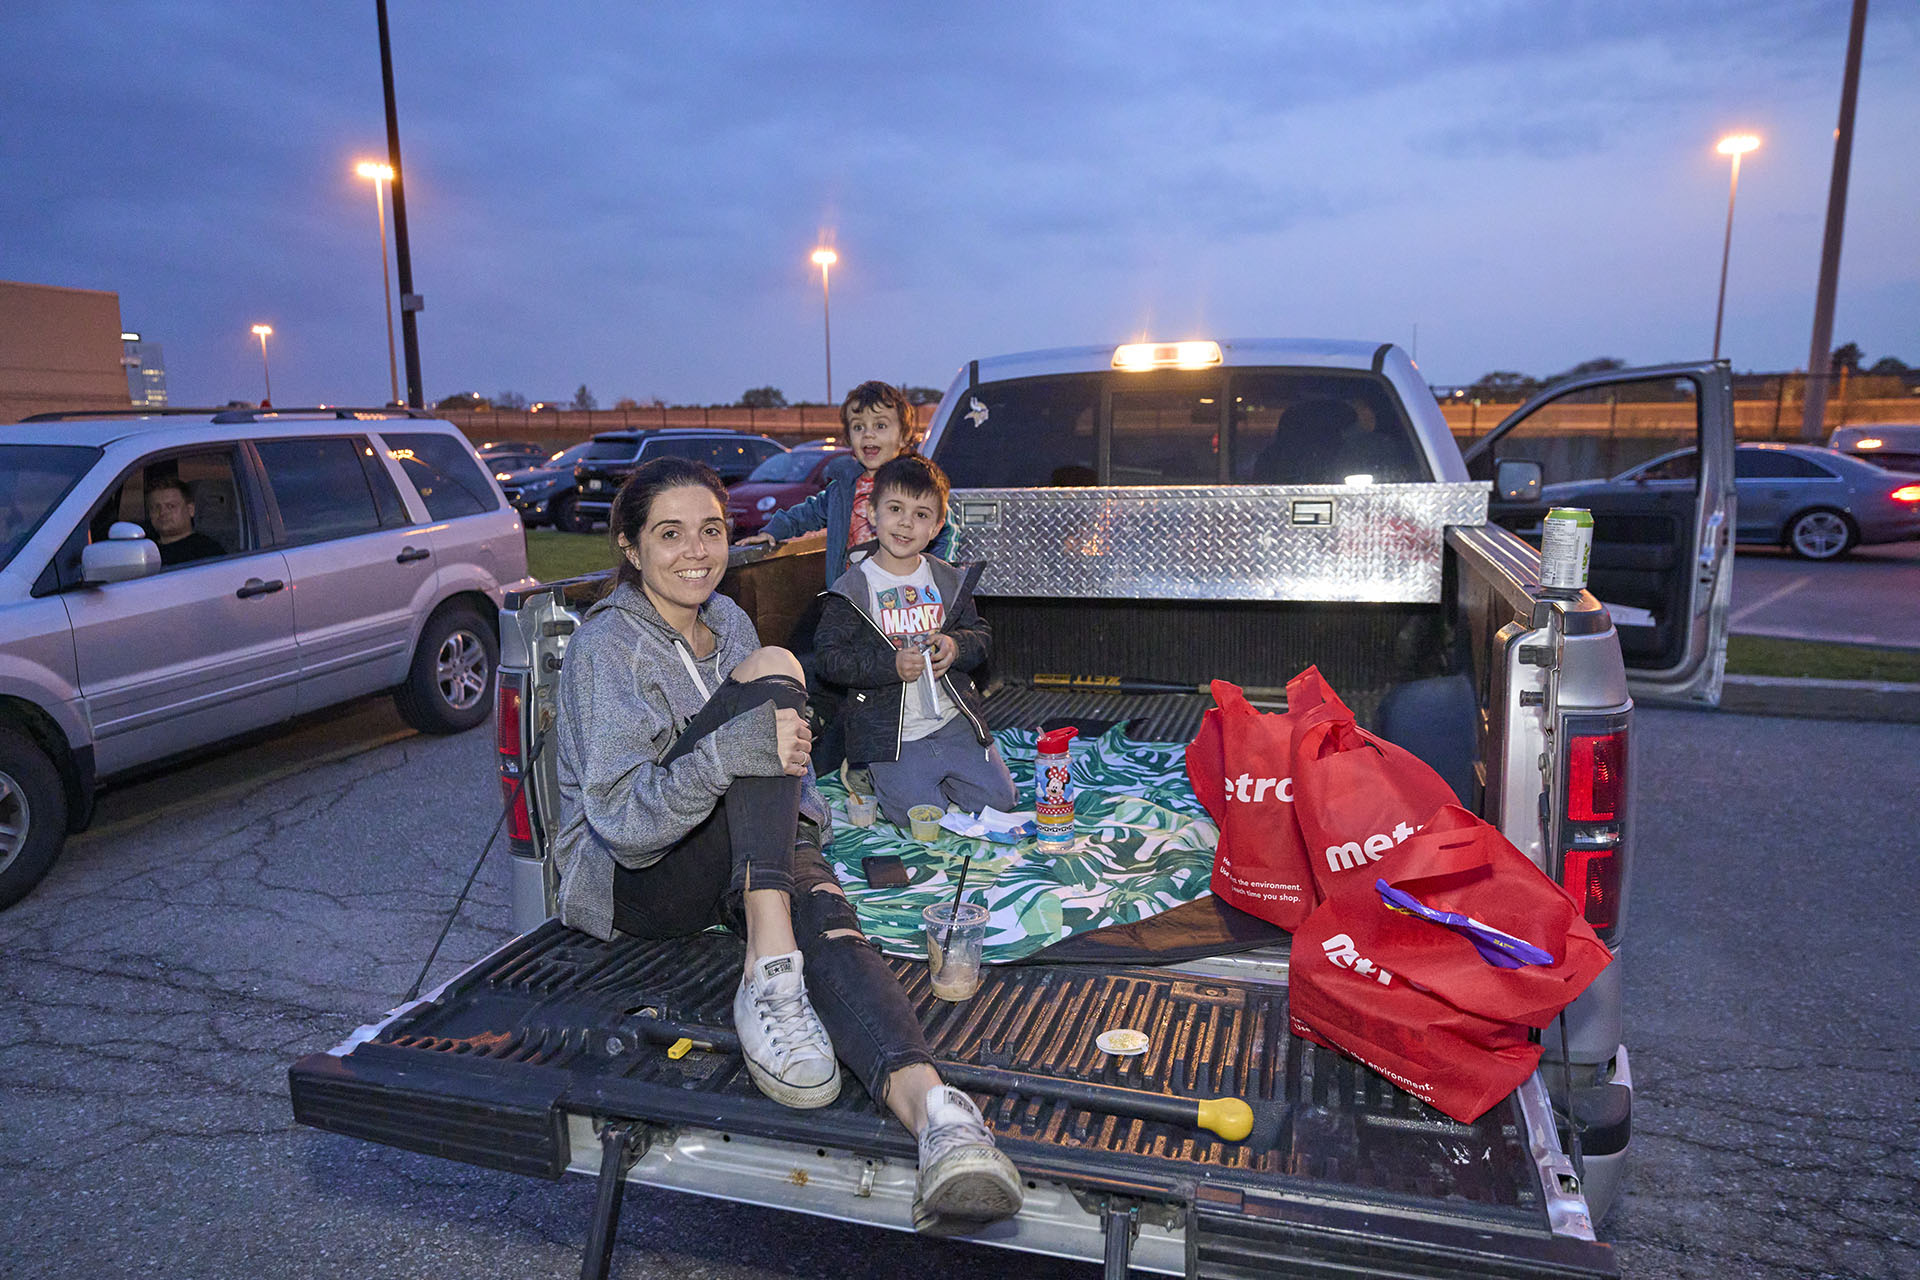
x,y
382,174
824,258
1734,145
261,331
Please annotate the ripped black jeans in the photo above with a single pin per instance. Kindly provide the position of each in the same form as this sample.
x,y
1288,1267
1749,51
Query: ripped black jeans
x,y
753,837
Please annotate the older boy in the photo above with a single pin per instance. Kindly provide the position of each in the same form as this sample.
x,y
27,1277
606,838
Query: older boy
x,y
901,632
880,426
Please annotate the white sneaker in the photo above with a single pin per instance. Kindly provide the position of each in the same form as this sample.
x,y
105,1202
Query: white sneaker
x,y
964,1179
787,1050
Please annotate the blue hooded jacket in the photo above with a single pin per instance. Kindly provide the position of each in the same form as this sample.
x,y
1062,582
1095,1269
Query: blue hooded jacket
x,y
832,509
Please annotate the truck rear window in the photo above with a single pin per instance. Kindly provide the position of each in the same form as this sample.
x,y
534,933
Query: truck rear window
x,y
1238,426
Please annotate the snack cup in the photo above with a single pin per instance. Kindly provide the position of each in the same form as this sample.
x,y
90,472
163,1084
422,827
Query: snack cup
x,y
954,942
861,809
926,822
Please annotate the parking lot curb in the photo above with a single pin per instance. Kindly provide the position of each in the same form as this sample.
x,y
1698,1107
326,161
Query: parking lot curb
x,y
1822,699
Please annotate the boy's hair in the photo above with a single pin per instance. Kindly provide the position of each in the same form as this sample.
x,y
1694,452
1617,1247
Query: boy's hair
x,y
914,476
869,395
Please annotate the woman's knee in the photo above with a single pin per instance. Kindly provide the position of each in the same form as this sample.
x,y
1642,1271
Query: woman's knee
x,y
771,660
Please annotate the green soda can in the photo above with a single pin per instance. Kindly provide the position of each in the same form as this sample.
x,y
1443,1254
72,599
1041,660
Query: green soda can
x,y
1566,548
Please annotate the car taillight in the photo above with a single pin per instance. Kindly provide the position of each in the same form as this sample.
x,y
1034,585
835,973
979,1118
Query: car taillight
x,y
1593,826
1906,493
507,704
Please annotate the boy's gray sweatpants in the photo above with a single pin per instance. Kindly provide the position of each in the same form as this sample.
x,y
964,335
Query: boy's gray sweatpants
x,y
948,766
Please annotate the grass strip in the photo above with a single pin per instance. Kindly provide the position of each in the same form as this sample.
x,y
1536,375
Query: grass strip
x,y
1809,659
552,554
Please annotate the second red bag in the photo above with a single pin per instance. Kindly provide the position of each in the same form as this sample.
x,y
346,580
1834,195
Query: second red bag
x,y
1358,797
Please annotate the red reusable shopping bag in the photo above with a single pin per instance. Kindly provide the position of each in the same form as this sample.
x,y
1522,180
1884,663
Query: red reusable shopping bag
x,y
1460,864
1357,797
1238,766
1340,996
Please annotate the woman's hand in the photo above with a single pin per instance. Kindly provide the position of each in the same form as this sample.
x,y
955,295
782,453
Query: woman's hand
x,y
945,650
758,540
907,664
795,740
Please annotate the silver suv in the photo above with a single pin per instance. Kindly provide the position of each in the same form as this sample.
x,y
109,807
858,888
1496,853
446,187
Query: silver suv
x,y
167,581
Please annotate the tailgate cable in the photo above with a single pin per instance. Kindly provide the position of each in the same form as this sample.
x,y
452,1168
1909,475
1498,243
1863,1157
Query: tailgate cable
x,y
1573,1121
506,810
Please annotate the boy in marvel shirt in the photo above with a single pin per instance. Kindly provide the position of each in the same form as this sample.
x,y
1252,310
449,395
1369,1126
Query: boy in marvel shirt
x,y
901,632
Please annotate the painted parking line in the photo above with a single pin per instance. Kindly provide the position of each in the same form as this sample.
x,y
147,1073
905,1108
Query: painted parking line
x,y
1747,611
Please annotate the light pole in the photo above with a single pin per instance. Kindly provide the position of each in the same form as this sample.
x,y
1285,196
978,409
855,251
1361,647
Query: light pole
x,y
383,173
1735,145
261,331
826,258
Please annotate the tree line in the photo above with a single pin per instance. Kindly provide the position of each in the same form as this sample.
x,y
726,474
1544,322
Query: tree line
x,y
768,397
1509,384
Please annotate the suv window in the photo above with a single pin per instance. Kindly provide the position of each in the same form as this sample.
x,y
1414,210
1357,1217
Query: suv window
x,y
734,457
1765,464
320,487
443,469
1039,431
33,479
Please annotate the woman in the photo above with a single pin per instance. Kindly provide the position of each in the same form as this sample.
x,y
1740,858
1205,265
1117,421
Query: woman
x,y
686,801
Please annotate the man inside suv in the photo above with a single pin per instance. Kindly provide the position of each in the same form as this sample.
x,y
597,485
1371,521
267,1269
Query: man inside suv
x,y
170,516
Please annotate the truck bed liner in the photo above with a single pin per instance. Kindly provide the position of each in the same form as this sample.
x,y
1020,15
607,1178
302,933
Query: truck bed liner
x,y
557,1009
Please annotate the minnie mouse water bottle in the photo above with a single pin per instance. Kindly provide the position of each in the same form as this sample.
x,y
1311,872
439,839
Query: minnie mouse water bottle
x,y
1053,791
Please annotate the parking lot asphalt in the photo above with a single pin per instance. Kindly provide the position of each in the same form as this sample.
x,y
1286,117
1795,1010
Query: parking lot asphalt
x,y
1870,597
227,917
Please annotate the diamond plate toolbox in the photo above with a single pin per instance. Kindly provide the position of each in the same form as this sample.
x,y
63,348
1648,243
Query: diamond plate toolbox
x,y
1374,543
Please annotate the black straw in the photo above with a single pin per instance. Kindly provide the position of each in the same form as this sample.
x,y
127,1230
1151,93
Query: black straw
x,y
954,910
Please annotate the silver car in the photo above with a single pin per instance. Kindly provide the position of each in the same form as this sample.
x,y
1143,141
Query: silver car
x,y
1817,503
170,581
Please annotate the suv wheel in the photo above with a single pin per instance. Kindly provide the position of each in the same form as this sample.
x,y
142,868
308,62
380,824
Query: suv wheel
x,y
33,815
450,687
566,515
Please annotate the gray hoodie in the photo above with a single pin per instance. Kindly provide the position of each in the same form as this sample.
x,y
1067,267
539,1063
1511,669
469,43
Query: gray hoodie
x,y
624,697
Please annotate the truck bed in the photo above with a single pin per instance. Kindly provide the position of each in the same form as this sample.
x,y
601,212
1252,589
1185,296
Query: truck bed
x,y
510,1064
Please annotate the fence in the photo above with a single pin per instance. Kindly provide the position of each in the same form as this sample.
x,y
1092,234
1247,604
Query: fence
x,y
570,426
1769,414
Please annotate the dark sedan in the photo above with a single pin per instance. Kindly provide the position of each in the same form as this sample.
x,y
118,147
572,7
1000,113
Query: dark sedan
x,y
545,493
1817,503
778,483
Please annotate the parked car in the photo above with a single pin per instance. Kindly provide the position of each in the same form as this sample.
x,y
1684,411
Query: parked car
x,y
1817,503
123,642
779,482
504,461
612,456
1892,445
545,493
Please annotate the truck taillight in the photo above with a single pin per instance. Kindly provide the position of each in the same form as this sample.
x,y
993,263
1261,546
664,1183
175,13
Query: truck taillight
x,y
1596,777
1593,826
508,704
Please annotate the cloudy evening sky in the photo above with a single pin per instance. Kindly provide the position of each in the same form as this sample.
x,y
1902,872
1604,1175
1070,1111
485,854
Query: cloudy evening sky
x,y
625,196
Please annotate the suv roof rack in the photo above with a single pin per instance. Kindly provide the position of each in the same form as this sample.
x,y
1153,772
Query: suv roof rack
x,y
227,416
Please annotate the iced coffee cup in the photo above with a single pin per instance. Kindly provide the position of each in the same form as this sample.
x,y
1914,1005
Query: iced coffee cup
x,y
955,939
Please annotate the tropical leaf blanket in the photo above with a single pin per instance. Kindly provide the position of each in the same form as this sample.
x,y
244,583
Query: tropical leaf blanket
x,y
1143,844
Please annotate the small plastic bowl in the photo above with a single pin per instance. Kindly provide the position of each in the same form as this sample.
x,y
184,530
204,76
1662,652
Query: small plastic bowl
x,y
861,809
926,822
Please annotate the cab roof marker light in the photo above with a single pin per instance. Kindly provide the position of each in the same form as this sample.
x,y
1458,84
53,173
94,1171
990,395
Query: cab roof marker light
x,y
1138,357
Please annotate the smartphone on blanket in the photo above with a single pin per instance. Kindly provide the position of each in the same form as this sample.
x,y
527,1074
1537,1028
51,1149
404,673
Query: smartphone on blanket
x,y
884,871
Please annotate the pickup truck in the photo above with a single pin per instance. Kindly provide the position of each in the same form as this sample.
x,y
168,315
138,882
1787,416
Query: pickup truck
x,y
1154,517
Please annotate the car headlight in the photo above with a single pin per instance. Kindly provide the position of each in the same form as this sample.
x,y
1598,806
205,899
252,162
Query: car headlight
x,y
767,503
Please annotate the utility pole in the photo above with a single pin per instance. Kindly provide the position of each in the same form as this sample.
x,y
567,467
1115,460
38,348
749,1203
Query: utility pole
x,y
1813,417
410,302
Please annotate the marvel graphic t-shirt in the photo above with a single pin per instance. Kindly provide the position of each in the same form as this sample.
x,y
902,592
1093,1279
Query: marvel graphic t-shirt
x,y
909,609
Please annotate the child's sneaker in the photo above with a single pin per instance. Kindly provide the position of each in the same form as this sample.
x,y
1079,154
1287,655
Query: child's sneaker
x,y
787,1050
964,1179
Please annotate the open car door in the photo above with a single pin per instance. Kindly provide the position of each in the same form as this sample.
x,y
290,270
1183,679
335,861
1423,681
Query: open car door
x,y
1650,453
